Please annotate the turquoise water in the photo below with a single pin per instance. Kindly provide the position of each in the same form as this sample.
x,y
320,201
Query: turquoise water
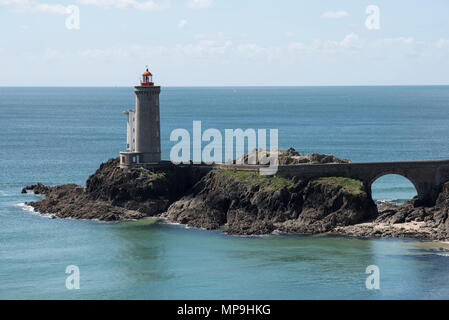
x,y
60,135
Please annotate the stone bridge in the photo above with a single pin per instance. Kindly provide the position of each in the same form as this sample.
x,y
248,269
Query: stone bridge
x,y
426,176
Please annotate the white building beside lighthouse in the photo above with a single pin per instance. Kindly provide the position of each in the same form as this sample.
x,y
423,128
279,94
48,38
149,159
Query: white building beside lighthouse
x,y
143,138
131,130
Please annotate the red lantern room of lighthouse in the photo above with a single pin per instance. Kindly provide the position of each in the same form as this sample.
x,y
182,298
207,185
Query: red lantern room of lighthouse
x,y
147,79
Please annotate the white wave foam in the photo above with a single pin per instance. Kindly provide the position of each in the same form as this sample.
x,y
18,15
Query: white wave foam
x,y
165,220
443,254
25,207
391,201
78,219
31,210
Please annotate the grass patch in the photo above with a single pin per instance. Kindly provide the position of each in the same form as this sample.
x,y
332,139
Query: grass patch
x,y
150,175
274,182
347,184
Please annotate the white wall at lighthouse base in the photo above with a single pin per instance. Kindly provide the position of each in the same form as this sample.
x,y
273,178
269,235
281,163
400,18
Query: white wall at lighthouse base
x,y
129,159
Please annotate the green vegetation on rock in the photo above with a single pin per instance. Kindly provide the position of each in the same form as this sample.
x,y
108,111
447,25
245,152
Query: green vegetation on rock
x,y
347,184
273,182
150,175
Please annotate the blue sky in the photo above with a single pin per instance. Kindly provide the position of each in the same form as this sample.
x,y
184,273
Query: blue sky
x,y
224,42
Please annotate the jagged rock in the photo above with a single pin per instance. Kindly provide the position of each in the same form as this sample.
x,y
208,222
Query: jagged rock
x,y
291,157
324,158
38,188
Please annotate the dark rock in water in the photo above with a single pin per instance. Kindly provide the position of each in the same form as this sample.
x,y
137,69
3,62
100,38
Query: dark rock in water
x,y
113,194
71,201
37,189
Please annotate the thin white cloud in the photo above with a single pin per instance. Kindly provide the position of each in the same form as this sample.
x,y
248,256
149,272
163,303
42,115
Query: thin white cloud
x,y
352,40
341,60
52,8
33,5
219,47
350,43
442,43
21,3
123,4
182,23
199,4
335,14
388,42
249,50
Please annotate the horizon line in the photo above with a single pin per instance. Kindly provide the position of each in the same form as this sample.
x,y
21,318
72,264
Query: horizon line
x,y
240,86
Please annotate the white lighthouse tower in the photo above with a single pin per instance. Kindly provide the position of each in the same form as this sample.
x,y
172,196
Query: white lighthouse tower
x,y
143,138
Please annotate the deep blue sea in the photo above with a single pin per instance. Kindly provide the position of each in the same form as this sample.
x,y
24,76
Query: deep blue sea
x,y
61,135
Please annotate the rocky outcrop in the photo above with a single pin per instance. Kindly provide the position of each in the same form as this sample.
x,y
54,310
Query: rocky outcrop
x,y
426,223
71,201
147,191
113,194
241,202
247,203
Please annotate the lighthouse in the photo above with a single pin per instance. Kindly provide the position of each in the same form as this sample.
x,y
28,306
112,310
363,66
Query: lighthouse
x,y
143,132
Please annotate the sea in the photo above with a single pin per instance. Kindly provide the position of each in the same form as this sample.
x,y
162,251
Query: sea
x,y
62,135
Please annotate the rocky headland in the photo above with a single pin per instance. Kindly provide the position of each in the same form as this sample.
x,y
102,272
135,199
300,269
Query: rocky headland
x,y
243,202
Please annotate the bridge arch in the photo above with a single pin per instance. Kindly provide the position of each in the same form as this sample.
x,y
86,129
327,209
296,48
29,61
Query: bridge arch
x,y
393,180
369,182
421,189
